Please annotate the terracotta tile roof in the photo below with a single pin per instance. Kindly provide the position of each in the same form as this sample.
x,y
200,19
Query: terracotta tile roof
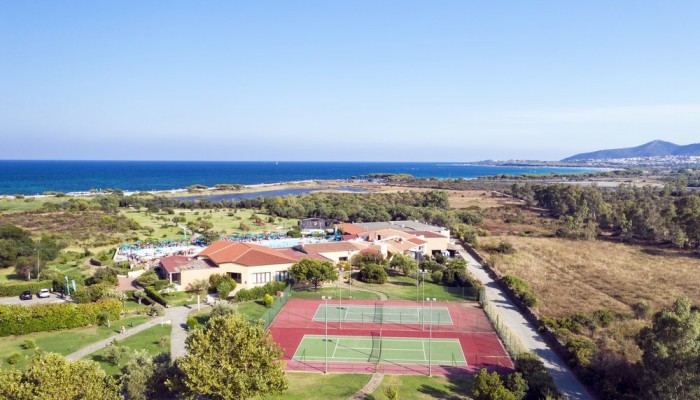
x,y
328,247
172,263
428,234
298,255
351,229
247,254
401,245
389,233
417,241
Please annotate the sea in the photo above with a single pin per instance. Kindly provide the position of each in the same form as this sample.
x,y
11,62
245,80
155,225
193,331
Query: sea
x,y
30,177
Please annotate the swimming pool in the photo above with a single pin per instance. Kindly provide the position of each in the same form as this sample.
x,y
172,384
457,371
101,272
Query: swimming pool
x,y
290,242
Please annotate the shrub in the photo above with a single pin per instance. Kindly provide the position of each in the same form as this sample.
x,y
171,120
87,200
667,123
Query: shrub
x,y
14,359
642,310
161,284
103,319
436,276
15,289
164,341
372,273
154,295
268,300
521,289
223,290
367,257
114,353
540,383
104,275
257,293
216,279
192,323
20,320
223,308
156,310
148,278
29,344
505,248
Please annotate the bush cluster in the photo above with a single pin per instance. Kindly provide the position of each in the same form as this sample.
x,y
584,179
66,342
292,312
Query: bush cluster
x,y
449,272
372,273
259,292
521,289
19,320
15,289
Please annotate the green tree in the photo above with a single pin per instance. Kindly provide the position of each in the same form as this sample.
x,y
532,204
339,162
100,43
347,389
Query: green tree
x,y
407,265
490,387
372,273
313,271
671,360
230,360
148,278
223,289
51,376
144,376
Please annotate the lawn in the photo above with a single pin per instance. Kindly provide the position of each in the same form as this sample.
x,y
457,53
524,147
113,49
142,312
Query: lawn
x,y
305,386
334,292
177,299
148,340
400,287
252,310
421,387
62,342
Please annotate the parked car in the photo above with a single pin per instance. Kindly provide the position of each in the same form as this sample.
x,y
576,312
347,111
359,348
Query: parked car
x,y
26,295
43,293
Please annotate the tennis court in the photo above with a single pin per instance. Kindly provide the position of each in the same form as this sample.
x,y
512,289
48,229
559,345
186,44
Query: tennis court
x,y
380,313
378,349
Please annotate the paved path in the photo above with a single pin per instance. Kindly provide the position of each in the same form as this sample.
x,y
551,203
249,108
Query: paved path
x,y
370,387
178,334
565,380
104,343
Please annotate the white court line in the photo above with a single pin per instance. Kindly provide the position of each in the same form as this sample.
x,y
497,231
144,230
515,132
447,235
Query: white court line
x,y
336,347
398,360
423,344
385,339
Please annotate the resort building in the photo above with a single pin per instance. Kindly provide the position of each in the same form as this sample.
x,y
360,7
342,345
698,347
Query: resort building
x,y
252,265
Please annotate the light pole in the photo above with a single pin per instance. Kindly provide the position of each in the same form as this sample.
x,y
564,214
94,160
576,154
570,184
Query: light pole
x,y
422,325
325,299
340,297
430,339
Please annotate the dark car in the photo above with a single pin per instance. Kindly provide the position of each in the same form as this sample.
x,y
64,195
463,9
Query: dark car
x,y
26,295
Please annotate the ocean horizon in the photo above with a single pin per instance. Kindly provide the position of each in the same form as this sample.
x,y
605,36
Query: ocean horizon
x,y
32,177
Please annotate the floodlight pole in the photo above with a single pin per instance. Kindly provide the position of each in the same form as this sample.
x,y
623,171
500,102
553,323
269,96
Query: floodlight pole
x,y
430,339
340,298
422,325
325,299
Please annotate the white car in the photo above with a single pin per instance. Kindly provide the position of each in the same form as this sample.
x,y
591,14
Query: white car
x,y
43,293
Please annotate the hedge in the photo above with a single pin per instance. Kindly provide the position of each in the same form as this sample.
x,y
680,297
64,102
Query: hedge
x,y
19,320
259,292
152,293
15,289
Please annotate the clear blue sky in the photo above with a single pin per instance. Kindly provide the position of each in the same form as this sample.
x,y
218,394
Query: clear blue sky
x,y
345,80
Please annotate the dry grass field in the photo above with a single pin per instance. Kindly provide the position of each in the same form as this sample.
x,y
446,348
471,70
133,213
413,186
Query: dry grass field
x,y
584,276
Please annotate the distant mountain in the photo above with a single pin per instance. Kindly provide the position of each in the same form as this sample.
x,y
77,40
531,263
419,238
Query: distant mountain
x,y
651,149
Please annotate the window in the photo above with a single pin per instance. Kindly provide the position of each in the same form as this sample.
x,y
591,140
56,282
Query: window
x,y
342,258
262,277
282,275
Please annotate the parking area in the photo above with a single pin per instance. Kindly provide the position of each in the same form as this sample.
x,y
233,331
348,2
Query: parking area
x,y
35,300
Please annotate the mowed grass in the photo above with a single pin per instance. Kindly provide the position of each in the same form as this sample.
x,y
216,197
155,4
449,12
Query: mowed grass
x,y
148,340
583,276
335,293
62,342
421,387
400,287
252,310
306,386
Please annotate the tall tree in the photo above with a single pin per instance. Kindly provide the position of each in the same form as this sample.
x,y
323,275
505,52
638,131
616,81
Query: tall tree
x,y
232,359
671,359
313,271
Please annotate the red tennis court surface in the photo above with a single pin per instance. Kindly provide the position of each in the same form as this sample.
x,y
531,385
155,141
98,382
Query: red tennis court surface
x,y
479,342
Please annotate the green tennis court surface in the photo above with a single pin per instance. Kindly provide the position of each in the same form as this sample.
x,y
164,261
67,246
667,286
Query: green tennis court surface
x,y
383,314
381,349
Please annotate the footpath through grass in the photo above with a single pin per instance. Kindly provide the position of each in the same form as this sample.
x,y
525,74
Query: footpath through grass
x,y
149,340
400,287
421,387
306,386
62,342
